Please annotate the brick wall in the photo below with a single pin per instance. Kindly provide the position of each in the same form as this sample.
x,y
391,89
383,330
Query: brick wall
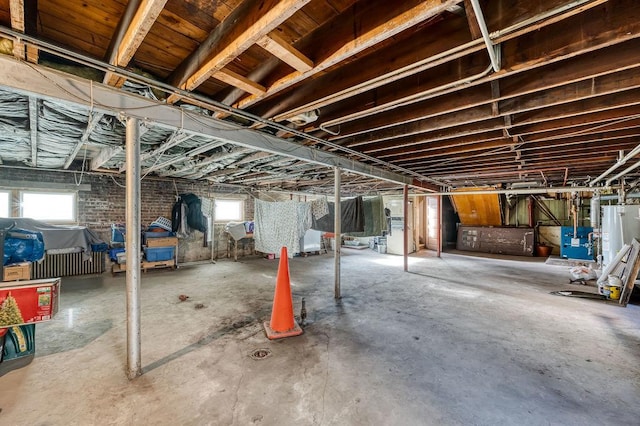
x,y
105,204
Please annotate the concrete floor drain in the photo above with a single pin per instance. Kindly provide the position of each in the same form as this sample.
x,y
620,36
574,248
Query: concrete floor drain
x,y
260,354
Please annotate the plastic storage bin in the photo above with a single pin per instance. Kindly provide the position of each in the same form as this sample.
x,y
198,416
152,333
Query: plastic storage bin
x,y
113,253
157,234
17,347
158,254
117,233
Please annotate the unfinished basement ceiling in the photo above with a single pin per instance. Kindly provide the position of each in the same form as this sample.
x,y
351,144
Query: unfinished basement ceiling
x,y
407,87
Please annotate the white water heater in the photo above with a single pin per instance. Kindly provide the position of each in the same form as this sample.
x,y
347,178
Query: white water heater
x,y
620,225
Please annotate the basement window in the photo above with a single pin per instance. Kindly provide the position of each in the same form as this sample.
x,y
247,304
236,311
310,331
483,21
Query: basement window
x,y
4,203
48,206
229,210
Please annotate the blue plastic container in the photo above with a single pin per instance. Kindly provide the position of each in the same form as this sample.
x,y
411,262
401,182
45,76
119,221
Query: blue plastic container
x,y
117,233
158,254
158,234
99,247
113,253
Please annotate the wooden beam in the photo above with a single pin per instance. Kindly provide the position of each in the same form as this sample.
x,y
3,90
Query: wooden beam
x,y
447,135
258,74
239,81
591,97
404,92
582,130
472,20
486,131
384,28
458,172
577,123
609,60
355,78
247,24
141,24
430,155
279,48
433,151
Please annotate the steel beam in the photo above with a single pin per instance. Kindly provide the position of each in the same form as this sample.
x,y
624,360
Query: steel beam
x,y
57,86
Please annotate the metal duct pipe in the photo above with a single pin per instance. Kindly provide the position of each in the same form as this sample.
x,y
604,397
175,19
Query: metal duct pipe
x,y
595,211
615,197
524,191
635,151
622,173
493,55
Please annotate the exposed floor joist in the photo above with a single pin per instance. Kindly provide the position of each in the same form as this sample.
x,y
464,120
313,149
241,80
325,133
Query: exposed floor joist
x,y
145,16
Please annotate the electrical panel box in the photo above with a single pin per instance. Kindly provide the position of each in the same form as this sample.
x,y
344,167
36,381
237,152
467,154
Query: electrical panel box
x,y
578,244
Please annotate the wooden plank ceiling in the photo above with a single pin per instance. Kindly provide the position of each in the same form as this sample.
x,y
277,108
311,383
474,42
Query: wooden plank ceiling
x,y
409,83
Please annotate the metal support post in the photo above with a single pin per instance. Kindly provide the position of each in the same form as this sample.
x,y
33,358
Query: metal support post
x,y
337,228
132,245
439,214
405,231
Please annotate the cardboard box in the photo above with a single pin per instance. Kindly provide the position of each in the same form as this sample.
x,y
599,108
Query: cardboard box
x,y
162,242
19,271
28,302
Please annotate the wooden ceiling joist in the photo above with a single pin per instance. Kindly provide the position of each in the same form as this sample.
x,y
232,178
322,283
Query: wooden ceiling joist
x,y
247,24
241,82
412,91
364,75
279,48
387,26
145,16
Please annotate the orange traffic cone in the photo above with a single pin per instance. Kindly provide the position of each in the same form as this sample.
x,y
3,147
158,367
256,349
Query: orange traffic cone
x,y
282,322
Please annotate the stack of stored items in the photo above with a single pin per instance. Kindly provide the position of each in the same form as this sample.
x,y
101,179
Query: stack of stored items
x,y
160,248
19,248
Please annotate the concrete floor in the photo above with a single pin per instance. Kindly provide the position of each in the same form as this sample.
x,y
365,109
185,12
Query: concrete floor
x,y
459,340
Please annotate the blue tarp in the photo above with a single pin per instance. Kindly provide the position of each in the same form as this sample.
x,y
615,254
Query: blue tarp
x,y
21,245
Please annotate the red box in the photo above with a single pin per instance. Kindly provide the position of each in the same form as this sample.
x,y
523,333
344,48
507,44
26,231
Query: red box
x,y
26,302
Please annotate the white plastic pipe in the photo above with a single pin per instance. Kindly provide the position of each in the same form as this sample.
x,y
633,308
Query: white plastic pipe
x,y
495,61
622,173
622,161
